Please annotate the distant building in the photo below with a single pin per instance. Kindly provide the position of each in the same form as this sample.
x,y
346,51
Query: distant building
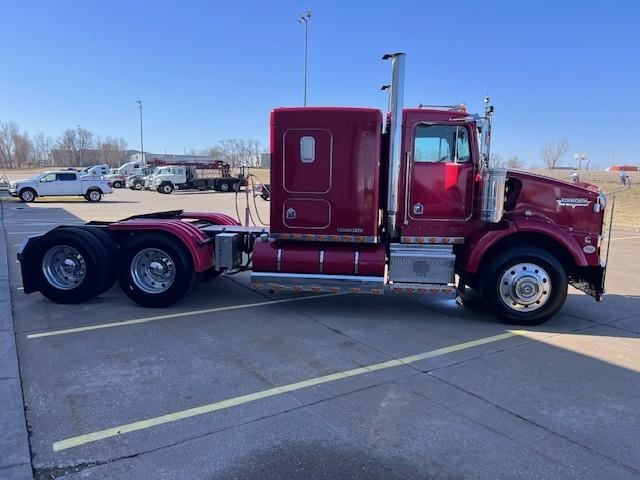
x,y
171,158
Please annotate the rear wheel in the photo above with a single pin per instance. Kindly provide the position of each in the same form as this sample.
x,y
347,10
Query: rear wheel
x,y
117,184
137,185
94,195
236,187
27,195
224,187
166,188
524,285
109,271
156,270
70,265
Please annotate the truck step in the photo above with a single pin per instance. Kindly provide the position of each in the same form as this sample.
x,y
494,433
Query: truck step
x,y
302,282
423,288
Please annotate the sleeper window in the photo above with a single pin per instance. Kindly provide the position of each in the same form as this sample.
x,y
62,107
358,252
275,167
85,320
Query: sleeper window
x,y
307,149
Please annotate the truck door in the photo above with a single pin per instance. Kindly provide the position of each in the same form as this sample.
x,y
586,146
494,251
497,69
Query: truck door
x,y
440,175
47,184
67,184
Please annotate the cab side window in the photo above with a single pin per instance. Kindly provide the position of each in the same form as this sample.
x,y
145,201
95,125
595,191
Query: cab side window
x,y
66,177
441,143
51,177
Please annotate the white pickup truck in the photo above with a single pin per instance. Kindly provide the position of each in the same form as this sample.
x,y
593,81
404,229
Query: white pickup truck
x,y
60,183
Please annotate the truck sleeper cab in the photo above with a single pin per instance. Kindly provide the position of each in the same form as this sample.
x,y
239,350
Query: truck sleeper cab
x,y
358,205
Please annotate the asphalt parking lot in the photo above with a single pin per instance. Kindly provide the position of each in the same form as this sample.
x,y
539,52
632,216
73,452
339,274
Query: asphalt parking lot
x,y
232,383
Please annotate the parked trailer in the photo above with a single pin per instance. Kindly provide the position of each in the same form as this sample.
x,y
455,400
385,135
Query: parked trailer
x,y
411,209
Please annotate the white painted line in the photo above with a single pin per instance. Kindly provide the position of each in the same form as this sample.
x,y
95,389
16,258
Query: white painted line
x,y
168,316
625,238
252,397
24,233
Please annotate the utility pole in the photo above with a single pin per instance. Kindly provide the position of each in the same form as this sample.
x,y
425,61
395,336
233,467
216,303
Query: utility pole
x,y
305,19
141,142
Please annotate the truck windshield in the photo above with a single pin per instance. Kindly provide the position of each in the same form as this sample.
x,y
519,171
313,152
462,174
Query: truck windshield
x,y
441,143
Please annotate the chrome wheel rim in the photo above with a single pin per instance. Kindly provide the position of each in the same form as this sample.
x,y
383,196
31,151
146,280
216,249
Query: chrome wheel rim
x,y
152,270
525,287
95,196
27,196
64,267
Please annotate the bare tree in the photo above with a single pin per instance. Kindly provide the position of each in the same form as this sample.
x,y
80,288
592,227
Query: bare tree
x,y
8,131
514,163
41,148
111,150
495,161
22,148
553,151
75,146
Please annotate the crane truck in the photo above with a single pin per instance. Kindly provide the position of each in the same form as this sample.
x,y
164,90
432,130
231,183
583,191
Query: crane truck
x,y
361,202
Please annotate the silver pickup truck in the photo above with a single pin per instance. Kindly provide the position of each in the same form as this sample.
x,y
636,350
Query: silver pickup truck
x,y
59,183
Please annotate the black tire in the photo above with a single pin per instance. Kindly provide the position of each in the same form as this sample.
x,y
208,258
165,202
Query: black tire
x,y
236,187
538,274
93,195
224,187
210,274
166,188
137,185
95,258
117,184
28,195
185,276
109,273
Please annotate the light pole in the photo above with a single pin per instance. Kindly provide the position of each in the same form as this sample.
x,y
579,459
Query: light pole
x,y
305,19
141,142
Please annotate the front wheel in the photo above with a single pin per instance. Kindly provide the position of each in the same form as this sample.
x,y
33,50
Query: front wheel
x,y
524,285
28,195
137,185
224,187
156,271
117,184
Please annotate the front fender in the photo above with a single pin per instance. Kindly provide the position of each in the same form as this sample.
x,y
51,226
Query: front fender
x,y
561,236
486,241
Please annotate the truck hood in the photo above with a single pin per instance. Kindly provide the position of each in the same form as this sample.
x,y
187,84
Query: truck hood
x,y
552,200
24,180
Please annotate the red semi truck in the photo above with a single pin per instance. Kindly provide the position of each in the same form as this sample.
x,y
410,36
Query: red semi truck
x,y
362,203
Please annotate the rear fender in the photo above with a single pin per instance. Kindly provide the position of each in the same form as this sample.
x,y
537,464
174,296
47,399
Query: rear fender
x,y
194,240
215,218
26,256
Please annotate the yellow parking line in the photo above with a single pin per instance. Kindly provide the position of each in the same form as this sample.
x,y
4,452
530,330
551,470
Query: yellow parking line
x,y
155,318
252,397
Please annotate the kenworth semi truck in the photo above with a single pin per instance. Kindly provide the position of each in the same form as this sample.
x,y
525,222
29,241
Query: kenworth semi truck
x,y
361,202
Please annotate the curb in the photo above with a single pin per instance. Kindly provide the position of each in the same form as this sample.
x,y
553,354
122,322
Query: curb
x,y
15,461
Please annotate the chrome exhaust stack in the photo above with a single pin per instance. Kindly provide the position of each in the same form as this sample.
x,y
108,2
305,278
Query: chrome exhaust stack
x,y
396,105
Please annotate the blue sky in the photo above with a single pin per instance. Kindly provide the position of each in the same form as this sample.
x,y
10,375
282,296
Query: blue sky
x,y
212,70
